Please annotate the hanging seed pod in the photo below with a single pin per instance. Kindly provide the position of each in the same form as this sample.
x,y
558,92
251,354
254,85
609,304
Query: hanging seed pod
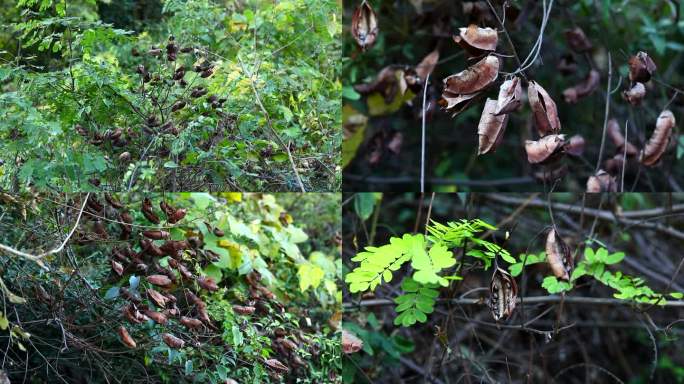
x,y
475,78
147,212
218,232
157,317
178,75
207,283
545,150
575,145
177,216
558,256
585,88
491,128
243,310
544,108
159,280
454,103
157,297
156,235
266,293
172,341
276,365
503,293
190,323
126,337
117,267
641,68
364,25
601,182
166,208
125,157
126,294
198,92
577,40
510,96
616,136
178,105
476,40
112,201
635,94
156,52
427,65
657,144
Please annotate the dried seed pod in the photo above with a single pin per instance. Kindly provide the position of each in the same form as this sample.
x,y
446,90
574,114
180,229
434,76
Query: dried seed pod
x,y
198,92
635,94
125,157
585,88
159,280
614,165
616,136
503,293
117,267
156,235
207,73
657,144
575,145
154,52
266,293
641,68
475,78
454,103
491,128
276,365
364,26
177,216
190,323
149,248
126,337
545,150
178,105
149,215
172,341
577,40
558,255
218,232
510,96
544,108
476,40
207,283
126,294
289,344
157,297
158,317
166,208
601,182
427,65
243,310
112,201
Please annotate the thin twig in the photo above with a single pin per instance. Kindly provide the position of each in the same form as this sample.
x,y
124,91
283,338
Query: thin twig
x,y
422,139
605,117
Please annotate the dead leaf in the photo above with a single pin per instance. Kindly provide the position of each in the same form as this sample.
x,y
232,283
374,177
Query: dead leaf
x,y
503,293
641,67
577,40
491,128
585,88
126,337
476,40
544,108
172,341
616,136
510,96
544,150
475,78
657,144
602,181
635,94
558,256
350,342
364,25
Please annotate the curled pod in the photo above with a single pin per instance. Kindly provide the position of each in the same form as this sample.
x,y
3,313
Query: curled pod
x,y
159,280
657,143
491,128
635,94
243,310
503,293
577,40
545,150
177,216
172,341
206,73
218,232
207,283
616,136
544,109
289,344
157,297
602,181
575,145
112,201
126,337
190,323
156,235
276,365
157,317
125,157
476,40
474,78
641,68
558,256
510,96
166,208
364,26
266,292
585,88
178,105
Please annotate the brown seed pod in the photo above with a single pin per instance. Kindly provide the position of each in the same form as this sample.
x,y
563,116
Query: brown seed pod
x,y
558,256
198,92
364,26
503,293
99,228
544,108
454,103
157,297
266,293
545,150
289,344
159,280
149,248
585,88
125,157
476,40
147,211
577,40
475,78
177,216
112,201
616,136
117,267
575,145
491,128
158,317
276,365
156,235
190,323
657,144
166,208
510,96
126,294
154,52
641,68
427,65
243,310
635,94
172,341
178,105
207,283
601,182
614,165
218,232
126,338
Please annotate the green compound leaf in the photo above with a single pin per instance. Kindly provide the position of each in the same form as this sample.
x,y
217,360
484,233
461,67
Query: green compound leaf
x,y
428,264
416,303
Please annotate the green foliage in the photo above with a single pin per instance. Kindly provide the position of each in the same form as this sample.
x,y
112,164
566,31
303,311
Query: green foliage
x,y
417,301
456,234
516,268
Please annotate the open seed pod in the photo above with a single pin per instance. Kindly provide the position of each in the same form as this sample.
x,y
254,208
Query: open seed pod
x,y
454,103
427,65
475,78
577,40
476,40
364,25
602,181
558,256
491,128
350,342
510,96
635,94
641,67
575,145
544,108
503,293
657,144
585,88
616,136
545,150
